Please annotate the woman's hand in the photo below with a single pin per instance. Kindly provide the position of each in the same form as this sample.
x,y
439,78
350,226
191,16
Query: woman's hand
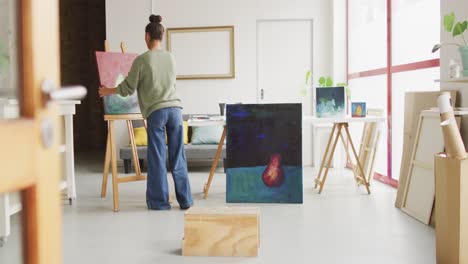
x,y
104,91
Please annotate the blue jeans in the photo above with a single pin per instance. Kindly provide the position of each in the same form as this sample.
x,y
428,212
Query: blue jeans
x,y
157,191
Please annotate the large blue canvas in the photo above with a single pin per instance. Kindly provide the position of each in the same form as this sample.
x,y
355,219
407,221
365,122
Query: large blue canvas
x,y
330,102
264,153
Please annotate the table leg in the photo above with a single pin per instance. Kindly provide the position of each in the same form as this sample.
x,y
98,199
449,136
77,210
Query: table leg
x,y
322,182
115,183
348,157
106,164
214,165
358,163
325,156
69,158
4,217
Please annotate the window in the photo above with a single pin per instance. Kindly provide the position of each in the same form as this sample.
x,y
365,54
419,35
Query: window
x,y
389,53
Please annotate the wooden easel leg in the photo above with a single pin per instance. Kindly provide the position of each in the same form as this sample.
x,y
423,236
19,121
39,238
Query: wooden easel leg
x,y
357,158
373,153
215,163
317,179
330,158
136,160
115,183
355,173
106,166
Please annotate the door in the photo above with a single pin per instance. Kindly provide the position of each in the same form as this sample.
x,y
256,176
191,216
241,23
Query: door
x,y
29,155
284,50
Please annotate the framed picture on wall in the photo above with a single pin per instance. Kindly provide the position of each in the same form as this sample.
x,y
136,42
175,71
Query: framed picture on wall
x,y
203,52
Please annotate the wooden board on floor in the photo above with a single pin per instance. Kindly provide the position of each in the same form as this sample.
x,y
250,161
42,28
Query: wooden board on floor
x,y
418,199
415,103
225,231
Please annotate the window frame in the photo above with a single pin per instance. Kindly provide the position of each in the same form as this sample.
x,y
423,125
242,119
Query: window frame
x,y
389,70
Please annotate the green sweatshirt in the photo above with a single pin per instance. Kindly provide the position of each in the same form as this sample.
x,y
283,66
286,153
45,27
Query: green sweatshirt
x,y
153,76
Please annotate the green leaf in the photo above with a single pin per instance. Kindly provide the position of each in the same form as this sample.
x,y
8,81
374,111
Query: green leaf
x,y
459,28
449,20
303,90
322,81
329,82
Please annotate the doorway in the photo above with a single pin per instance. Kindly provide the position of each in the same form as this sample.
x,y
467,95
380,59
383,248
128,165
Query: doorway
x,y
284,55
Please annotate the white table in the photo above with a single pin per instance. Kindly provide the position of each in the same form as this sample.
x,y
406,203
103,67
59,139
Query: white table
x,y
10,203
340,126
67,109
214,121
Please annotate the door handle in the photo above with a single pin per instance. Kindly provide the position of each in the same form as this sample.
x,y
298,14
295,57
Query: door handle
x,y
52,93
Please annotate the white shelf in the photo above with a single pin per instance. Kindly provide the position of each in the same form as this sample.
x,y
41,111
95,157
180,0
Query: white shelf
x,y
346,119
457,80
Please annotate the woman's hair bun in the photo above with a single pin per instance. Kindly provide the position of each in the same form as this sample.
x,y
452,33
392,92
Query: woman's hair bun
x,y
155,19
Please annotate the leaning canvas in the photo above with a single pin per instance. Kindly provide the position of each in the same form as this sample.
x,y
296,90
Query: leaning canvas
x,y
264,153
330,102
113,67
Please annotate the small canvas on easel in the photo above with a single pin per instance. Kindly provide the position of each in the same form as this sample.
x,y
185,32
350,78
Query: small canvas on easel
x,y
113,67
264,153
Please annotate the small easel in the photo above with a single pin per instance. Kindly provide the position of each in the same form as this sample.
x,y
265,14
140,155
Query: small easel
x,y
368,149
340,131
111,155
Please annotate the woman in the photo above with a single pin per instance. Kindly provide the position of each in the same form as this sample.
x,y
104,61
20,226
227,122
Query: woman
x,y
153,75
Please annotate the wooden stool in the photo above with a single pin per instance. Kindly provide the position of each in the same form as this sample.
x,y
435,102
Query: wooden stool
x,y
221,232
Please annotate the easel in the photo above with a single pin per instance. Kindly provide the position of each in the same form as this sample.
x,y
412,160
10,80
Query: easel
x,y
206,187
368,149
340,131
111,155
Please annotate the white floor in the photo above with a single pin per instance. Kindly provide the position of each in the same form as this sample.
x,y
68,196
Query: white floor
x,y
342,225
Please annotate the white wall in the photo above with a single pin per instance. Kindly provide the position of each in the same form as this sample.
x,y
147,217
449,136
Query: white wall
x,y
339,41
460,7
124,23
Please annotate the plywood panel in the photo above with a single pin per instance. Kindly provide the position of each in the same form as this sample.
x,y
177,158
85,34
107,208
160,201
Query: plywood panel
x,y
221,232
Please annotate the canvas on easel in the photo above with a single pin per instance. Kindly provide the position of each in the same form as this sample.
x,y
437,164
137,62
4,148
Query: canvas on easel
x,y
113,67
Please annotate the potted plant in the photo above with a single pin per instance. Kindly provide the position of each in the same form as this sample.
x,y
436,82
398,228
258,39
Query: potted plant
x,y
329,100
458,30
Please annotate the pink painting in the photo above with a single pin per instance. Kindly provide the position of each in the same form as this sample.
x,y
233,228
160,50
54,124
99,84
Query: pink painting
x,y
113,67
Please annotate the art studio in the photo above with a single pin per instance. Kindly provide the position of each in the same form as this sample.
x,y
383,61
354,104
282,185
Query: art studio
x,y
221,131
